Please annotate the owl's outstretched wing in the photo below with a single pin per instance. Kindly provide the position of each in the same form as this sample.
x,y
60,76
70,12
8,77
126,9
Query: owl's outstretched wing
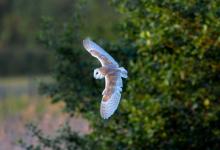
x,y
111,94
96,51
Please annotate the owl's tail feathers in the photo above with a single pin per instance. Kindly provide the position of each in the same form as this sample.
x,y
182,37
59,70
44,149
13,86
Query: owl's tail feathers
x,y
124,72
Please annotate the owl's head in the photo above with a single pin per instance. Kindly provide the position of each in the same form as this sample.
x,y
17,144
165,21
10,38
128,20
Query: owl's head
x,y
97,74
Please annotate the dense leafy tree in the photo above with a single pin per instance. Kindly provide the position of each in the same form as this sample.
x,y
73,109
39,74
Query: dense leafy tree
x,y
171,99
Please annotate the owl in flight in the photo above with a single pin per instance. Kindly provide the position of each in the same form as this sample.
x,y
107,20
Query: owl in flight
x,y
113,75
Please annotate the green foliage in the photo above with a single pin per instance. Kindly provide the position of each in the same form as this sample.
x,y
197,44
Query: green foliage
x,y
66,139
171,98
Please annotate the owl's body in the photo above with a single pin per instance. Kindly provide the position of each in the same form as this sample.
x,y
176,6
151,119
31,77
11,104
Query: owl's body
x,y
113,75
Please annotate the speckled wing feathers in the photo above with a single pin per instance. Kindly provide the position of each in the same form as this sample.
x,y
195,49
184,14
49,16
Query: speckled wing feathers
x,y
113,78
111,94
96,51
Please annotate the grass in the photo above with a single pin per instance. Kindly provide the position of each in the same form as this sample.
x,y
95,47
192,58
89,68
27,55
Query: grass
x,y
18,93
19,107
12,106
23,80
13,80
30,106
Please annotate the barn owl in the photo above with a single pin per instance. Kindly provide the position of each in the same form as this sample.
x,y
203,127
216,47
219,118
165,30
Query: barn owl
x,y
113,75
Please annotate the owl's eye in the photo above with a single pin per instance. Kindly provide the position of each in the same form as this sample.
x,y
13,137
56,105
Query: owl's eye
x,y
96,73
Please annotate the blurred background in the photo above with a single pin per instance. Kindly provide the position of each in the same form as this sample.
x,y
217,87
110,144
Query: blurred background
x,y
25,63
50,101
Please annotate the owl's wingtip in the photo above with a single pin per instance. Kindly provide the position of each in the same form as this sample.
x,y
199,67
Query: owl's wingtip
x,y
87,43
86,39
105,116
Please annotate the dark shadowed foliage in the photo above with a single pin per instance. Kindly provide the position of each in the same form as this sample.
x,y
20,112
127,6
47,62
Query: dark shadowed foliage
x,y
171,99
